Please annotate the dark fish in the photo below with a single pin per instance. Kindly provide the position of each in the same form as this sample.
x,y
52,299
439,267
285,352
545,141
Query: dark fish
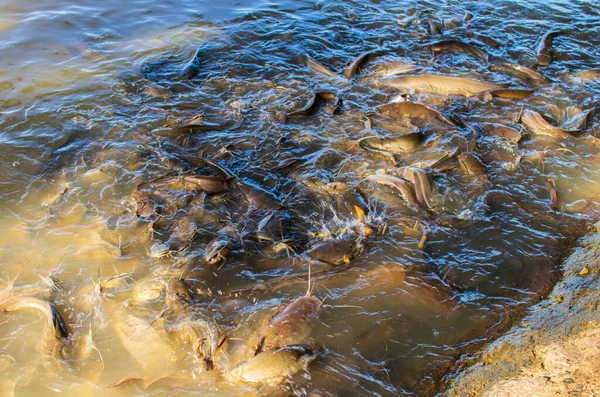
x,y
355,64
336,252
218,251
434,27
258,197
190,182
192,68
544,48
313,104
459,46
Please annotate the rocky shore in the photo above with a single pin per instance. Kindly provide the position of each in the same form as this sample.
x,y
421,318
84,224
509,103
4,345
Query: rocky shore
x,y
555,349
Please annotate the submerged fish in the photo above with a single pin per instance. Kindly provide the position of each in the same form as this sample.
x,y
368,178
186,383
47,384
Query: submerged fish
x,y
56,329
320,68
459,46
192,68
192,324
275,365
291,326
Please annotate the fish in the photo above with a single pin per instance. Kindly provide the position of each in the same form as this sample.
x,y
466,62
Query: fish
x,y
56,328
459,46
192,68
275,365
315,102
337,252
536,123
192,324
406,189
413,111
291,326
189,182
511,93
503,131
218,251
257,197
424,187
143,342
544,48
529,76
439,84
320,68
549,185
470,164
360,60
391,69
402,143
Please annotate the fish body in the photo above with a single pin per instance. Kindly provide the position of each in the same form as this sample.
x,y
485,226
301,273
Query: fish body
x,y
293,325
441,85
405,188
275,365
544,48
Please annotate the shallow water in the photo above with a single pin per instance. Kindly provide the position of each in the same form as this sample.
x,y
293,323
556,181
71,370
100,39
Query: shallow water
x,y
91,101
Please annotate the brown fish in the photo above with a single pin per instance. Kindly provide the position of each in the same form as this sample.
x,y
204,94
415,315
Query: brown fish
x,y
529,76
193,325
292,326
358,62
190,182
275,365
537,124
402,143
459,46
503,131
544,48
424,187
470,164
511,93
405,188
439,84
317,100
412,111
391,69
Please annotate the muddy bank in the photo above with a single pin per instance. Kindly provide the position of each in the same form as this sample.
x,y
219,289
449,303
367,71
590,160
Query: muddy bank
x,y
555,349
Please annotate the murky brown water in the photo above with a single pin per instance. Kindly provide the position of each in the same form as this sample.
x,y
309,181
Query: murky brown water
x,y
92,121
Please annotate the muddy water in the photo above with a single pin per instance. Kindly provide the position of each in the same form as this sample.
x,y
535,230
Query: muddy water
x,y
92,107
